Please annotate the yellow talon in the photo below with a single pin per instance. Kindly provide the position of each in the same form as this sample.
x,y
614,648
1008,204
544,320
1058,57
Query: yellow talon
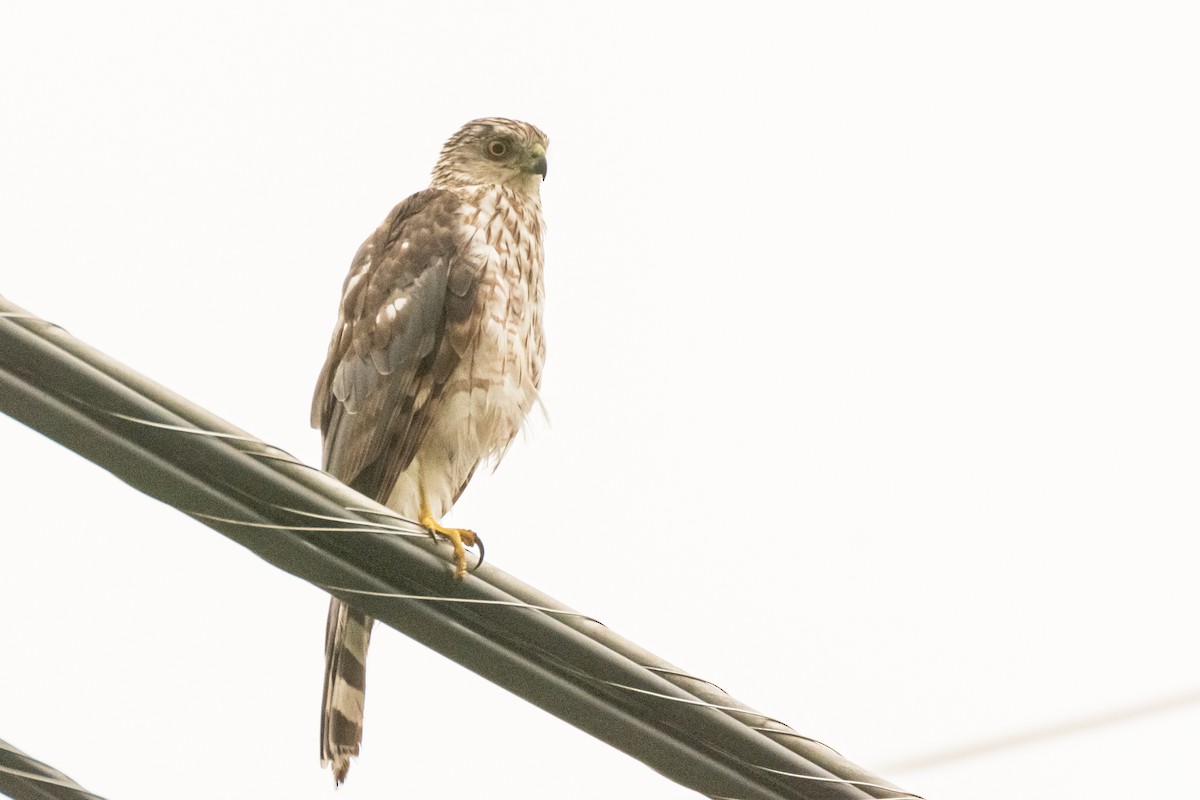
x,y
460,538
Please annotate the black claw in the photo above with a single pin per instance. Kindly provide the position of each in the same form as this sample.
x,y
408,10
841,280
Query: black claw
x,y
479,543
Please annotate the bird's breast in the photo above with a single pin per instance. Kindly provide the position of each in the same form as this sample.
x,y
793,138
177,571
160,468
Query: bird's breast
x,y
495,385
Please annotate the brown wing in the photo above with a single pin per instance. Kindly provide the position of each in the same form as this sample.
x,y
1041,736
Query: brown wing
x,y
406,318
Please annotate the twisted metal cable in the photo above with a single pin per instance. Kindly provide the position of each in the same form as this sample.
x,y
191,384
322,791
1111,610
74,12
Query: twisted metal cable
x,y
23,777
557,658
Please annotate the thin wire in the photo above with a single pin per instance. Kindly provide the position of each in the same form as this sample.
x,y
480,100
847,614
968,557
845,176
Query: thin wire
x,y
682,674
846,781
280,454
716,707
1055,731
378,512
381,525
695,702
167,426
792,733
301,528
284,456
562,612
760,728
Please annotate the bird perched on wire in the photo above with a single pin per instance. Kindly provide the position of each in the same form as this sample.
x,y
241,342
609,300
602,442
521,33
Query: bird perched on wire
x,y
435,362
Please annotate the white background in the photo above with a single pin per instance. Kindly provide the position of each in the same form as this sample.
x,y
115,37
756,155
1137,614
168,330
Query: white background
x,y
872,377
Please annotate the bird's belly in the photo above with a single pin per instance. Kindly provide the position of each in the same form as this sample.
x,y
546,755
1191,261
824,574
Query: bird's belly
x,y
482,414
487,399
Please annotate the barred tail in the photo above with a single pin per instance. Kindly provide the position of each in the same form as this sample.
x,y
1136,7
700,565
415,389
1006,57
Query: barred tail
x,y
347,635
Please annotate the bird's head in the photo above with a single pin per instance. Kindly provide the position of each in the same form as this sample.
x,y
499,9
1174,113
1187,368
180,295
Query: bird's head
x,y
493,150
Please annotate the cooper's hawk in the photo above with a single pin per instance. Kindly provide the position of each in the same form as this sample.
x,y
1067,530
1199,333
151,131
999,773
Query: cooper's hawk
x,y
435,362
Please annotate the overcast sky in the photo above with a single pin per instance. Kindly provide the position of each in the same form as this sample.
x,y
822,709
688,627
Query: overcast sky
x,y
872,378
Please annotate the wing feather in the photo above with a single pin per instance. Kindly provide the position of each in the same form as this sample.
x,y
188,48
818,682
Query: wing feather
x,y
403,325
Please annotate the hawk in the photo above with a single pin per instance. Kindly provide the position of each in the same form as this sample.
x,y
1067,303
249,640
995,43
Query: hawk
x,y
434,365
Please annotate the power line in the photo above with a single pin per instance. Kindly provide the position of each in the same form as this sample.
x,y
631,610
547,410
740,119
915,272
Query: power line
x,y
1046,733
23,777
312,526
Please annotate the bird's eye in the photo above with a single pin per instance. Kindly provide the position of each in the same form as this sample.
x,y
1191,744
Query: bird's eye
x,y
498,148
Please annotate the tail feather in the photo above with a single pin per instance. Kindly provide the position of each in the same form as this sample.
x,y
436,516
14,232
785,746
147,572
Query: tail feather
x,y
347,636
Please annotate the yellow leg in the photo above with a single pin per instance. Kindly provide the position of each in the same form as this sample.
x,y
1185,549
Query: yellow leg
x,y
460,538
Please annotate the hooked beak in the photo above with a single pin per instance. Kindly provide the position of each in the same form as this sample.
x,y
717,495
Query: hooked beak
x,y
538,165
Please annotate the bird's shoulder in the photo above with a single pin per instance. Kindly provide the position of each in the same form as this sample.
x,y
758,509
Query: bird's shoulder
x,y
420,234
393,298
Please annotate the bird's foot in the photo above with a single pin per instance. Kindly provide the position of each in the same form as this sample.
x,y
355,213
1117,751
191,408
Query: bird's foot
x,y
460,538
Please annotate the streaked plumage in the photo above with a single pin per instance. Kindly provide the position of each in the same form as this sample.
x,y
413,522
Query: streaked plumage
x,y
435,361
